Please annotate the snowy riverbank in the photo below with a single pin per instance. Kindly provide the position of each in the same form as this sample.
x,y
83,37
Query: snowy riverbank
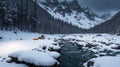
x,y
19,47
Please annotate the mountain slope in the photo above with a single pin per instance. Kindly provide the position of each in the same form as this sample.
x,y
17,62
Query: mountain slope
x,y
110,26
27,15
71,12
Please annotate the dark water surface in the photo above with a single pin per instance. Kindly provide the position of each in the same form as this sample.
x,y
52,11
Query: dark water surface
x,y
72,56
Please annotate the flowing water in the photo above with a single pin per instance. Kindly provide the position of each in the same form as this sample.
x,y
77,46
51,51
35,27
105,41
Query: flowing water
x,y
72,56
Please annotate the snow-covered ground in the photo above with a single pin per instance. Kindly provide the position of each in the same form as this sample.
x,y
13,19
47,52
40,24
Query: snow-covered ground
x,y
11,65
21,45
101,41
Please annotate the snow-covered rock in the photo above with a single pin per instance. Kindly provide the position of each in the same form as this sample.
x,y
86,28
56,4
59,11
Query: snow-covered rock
x,y
54,54
106,61
35,57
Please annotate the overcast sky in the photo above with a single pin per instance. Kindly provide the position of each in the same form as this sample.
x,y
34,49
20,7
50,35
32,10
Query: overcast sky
x,y
101,6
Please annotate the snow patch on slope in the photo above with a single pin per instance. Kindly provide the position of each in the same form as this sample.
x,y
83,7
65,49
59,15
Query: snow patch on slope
x,y
80,21
77,19
109,15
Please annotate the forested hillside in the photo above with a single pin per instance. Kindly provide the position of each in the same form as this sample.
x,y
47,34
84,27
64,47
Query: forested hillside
x,y
27,15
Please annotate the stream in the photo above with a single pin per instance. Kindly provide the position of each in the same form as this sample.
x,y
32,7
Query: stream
x,y
72,56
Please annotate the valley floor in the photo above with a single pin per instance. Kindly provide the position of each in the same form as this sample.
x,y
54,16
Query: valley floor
x,y
18,49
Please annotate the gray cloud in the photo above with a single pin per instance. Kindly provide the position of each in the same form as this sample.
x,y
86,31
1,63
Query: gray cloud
x,y
101,5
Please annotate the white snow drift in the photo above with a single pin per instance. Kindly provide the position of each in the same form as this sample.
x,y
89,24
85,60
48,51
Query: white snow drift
x,y
35,57
107,61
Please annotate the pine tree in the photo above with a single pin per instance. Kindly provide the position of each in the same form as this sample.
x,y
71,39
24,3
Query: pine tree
x,y
2,12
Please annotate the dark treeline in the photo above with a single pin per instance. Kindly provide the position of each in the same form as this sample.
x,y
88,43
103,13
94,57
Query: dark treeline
x,y
27,15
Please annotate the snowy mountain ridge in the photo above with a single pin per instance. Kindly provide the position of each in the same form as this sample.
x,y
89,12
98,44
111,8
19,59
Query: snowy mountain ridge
x,y
71,12
112,25
109,15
